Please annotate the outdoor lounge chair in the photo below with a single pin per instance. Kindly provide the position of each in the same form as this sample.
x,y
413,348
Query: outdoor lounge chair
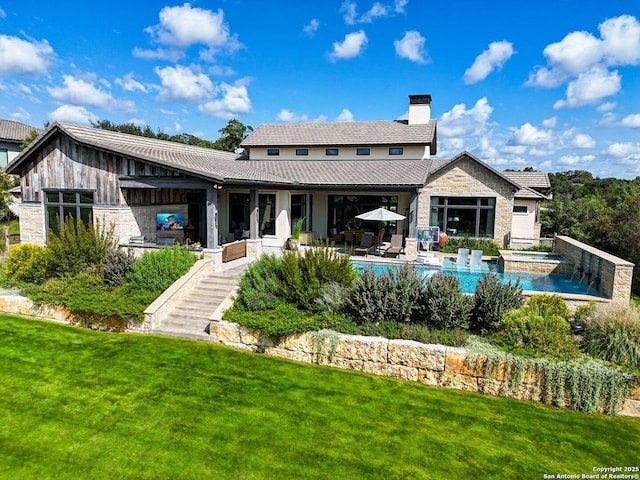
x,y
463,256
476,258
396,246
365,244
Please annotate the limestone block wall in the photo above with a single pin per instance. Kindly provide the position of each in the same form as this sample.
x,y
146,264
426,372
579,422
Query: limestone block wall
x,y
468,178
614,274
436,365
32,224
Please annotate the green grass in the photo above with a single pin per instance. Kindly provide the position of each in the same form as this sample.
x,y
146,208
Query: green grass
x,y
77,403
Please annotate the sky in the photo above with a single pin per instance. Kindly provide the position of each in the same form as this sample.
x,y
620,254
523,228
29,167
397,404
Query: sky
x,y
550,84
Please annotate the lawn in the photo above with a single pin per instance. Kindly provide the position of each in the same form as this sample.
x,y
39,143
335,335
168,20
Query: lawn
x,y
77,403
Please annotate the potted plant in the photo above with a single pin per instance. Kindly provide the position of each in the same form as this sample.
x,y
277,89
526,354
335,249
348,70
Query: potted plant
x,y
296,230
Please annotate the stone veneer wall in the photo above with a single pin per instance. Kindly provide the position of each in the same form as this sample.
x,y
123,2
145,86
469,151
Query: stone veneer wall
x,y
32,224
468,178
615,274
436,365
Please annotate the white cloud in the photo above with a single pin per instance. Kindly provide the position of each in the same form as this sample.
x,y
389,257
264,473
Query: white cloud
x,y
377,10
411,47
582,140
138,122
529,135
590,87
78,91
23,88
491,59
550,122
606,107
129,84
312,27
348,8
221,71
169,54
72,114
286,115
182,83
21,115
632,121
20,57
399,5
234,102
621,40
3,14
351,46
345,116
625,150
462,122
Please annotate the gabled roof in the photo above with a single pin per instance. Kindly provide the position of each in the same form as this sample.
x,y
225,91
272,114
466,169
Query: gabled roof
x,y
202,162
15,132
387,132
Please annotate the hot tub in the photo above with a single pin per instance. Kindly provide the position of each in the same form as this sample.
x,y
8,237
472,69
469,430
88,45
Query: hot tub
x,y
534,262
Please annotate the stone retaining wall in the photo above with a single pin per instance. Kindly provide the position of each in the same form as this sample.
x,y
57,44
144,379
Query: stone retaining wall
x,y
436,365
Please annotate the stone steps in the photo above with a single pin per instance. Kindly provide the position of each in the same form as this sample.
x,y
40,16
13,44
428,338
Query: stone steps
x,y
189,318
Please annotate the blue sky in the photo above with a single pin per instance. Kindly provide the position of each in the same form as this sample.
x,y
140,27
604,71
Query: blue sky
x,y
552,84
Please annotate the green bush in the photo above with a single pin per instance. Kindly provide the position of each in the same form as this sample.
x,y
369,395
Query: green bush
x,y
117,264
548,304
423,334
390,296
612,333
259,287
526,332
332,298
78,247
156,271
26,263
491,300
281,320
442,305
541,247
488,247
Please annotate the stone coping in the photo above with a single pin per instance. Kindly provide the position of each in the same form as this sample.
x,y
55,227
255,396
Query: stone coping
x,y
617,261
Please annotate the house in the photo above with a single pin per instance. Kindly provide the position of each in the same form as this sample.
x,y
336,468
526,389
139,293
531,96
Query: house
x,y
324,173
11,136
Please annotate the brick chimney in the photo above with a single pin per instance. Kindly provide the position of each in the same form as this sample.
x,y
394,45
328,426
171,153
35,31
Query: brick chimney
x,y
419,109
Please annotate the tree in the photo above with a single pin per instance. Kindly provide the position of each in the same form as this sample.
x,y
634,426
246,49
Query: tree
x,y
233,135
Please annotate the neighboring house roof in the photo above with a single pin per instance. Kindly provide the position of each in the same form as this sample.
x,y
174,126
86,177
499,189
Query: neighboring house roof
x,y
15,132
535,180
406,173
526,192
389,132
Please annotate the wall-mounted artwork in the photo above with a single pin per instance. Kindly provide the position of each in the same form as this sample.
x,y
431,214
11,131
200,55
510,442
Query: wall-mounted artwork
x,y
170,221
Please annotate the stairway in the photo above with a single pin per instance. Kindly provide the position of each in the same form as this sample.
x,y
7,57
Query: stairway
x,y
190,316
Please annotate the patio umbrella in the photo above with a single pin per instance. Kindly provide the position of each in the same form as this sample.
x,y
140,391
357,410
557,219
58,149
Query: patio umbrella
x,y
380,215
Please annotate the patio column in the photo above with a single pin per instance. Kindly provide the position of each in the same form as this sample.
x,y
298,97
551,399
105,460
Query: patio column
x,y
413,214
212,216
254,214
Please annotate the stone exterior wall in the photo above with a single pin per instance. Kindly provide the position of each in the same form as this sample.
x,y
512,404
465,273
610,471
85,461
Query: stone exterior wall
x,y
614,274
32,224
468,178
436,365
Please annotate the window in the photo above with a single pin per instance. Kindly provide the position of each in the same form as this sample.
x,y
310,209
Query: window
x,y
396,151
62,204
273,151
520,209
302,152
363,151
299,210
4,157
464,216
331,152
344,208
267,219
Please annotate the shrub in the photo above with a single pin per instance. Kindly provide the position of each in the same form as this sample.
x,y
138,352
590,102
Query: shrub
x,y
541,247
547,305
259,287
612,333
488,247
526,332
156,271
423,334
442,305
390,296
77,247
332,298
26,263
491,300
117,264
280,320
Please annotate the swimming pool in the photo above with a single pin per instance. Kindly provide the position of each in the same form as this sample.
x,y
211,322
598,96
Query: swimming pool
x,y
469,277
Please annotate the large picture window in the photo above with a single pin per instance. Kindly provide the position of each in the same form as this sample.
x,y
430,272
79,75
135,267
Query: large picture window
x,y
61,205
464,216
344,208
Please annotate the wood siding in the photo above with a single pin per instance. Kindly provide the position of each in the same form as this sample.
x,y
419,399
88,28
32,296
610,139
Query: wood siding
x,y
66,165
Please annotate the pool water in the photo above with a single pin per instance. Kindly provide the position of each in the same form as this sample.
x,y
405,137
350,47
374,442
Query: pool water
x,y
469,277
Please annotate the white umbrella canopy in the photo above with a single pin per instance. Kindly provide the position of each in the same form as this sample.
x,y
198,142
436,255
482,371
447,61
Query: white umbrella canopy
x,y
380,215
